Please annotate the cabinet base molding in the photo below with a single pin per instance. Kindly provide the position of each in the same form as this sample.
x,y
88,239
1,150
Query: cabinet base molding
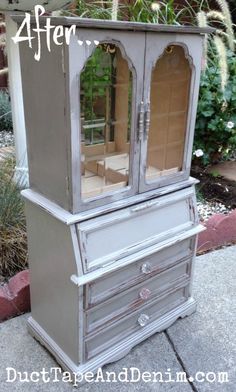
x,y
115,352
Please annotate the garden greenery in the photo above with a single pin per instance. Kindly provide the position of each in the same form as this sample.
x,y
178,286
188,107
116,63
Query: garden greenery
x,y
216,117
13,239
5,112
146,11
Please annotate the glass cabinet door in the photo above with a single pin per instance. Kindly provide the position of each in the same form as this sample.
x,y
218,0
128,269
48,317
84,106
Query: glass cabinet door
x,y
132,113
168,87
110,89
106,106
169,98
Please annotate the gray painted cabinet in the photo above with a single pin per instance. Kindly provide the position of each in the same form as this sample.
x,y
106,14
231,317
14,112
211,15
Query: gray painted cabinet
x,y
111,209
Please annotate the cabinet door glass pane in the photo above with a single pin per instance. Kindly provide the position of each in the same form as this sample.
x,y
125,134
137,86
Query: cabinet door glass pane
x,y
106,99
169,101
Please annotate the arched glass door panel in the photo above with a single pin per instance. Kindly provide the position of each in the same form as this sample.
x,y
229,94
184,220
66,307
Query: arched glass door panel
x,y
106,86
169,103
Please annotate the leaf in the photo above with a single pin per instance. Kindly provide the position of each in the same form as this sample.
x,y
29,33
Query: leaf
x,y
208,113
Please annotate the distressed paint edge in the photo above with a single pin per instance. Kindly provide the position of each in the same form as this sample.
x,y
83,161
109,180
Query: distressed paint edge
x,y
89,277
68,218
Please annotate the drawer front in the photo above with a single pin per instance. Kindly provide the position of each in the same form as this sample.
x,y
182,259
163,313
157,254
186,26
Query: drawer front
x,y
117,235
113,283
101,341
136,296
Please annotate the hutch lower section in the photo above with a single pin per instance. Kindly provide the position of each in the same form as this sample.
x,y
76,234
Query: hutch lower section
x,y
101,285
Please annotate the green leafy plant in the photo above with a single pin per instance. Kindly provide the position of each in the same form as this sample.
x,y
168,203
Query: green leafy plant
x,y
13,239
92,9
216,118
156,12
147,11
223,38
5,112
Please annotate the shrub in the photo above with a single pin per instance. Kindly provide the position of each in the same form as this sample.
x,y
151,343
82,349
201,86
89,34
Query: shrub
x,y
13,239
147,11
5,112
216,117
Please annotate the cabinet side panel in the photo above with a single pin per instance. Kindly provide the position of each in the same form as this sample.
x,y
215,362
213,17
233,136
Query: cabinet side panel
x,y
46,125
54,299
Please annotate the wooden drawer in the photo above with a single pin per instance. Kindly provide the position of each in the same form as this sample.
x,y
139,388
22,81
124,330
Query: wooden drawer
x,y
140,270
136,296
96,343
116,235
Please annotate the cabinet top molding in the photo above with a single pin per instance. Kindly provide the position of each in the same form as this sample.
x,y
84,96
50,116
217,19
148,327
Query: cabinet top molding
x,y
117,25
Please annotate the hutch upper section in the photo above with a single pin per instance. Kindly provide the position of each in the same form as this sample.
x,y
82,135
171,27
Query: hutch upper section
x,y
113,109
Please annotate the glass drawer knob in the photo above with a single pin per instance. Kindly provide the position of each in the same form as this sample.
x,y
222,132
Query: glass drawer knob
x,y
146,268
145,293
143,320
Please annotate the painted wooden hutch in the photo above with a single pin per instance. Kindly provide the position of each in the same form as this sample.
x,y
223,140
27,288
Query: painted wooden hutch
x,y
111,208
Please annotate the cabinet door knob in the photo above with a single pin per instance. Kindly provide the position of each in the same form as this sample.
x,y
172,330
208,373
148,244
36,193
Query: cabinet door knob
x,y
143,320
146,268
145,293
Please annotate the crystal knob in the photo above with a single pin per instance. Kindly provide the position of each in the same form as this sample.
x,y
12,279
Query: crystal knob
x,y
146,268
143,320
145,293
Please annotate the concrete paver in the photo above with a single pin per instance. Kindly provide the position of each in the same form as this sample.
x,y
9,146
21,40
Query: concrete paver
x,y
21,352
206,341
